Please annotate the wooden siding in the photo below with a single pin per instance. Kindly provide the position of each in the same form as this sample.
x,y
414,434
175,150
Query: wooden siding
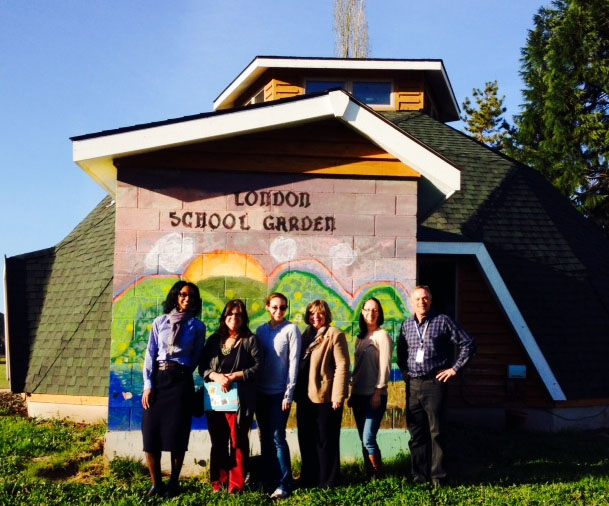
x,y
409,94
484,382
277,89
409,87
326,147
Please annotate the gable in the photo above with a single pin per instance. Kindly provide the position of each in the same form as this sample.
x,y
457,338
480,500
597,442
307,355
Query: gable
x,y
97,153
321,147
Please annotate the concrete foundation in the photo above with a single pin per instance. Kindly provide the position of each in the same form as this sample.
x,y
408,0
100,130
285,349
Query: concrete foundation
x,y
82,413
128,444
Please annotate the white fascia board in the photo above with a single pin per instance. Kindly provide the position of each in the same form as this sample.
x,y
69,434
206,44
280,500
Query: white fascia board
x,y
259,65
445,176
507,302
450,89
95,155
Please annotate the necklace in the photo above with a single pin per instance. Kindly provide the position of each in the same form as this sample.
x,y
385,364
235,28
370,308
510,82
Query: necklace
x,y
226,350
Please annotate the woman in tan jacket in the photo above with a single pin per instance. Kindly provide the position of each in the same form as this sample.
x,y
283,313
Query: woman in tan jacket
x,y
321,390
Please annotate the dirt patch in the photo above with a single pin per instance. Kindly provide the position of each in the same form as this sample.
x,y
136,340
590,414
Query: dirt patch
x,y
12,404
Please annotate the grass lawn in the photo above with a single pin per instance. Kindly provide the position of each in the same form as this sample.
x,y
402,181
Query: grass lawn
x,y
54,462
3,380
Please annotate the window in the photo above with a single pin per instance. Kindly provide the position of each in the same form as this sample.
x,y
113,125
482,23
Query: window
x,y
372,92
257,98
319,86
368,92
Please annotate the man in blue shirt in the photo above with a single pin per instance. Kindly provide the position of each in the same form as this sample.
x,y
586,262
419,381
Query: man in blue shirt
x,y
426,359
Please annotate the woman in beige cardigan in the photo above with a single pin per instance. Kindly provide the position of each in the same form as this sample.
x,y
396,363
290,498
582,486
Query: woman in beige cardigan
x,y
369,382
321,390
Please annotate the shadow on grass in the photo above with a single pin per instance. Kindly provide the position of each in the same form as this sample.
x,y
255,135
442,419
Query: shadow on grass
x,y
479,456
484,456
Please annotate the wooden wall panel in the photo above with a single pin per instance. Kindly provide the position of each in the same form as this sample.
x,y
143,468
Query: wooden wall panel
x,y
410,94
276,89
409,88
409,100
325,147
484,382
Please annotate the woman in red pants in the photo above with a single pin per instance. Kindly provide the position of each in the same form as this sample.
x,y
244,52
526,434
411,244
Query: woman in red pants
x,y
232,359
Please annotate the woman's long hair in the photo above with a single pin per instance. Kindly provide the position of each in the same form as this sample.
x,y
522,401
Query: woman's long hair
x,y
363,326
171,302
244,330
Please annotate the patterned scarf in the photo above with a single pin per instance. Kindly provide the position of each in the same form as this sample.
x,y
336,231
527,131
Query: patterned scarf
x,y
177,319
321,333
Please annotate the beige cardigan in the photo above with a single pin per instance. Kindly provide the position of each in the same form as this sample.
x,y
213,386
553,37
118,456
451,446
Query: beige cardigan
x,y
329,369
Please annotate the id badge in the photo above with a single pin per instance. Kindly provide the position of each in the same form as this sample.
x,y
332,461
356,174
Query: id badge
x,y
420,355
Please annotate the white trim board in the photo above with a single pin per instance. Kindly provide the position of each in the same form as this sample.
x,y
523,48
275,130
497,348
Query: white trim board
x,y
507,302
96,154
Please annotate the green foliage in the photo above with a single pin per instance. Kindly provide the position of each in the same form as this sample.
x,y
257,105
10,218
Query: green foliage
x,y
563,130
127,469
3,380
484,121
23,443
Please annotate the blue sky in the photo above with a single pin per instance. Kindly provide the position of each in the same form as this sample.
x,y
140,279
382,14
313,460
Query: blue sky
x,y
71,67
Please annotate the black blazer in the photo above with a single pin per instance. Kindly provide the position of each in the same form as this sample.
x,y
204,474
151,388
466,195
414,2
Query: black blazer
x,y
249,360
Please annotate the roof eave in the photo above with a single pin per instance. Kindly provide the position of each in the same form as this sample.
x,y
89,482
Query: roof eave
x,y
96,154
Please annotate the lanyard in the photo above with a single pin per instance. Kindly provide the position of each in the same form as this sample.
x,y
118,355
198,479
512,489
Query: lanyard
x,y
422,336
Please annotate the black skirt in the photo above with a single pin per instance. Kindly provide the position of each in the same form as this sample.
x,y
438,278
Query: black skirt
x,y
166,424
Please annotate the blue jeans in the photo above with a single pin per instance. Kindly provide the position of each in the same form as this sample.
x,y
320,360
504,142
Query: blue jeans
x,y
276,461
368,421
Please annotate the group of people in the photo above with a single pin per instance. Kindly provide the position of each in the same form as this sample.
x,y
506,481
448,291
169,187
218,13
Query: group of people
x,y
273,367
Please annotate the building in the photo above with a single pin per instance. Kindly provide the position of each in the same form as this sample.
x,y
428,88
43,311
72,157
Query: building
x,y
320,178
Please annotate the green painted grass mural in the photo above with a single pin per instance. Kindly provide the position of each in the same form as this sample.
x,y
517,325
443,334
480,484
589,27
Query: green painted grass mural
x,y
137,306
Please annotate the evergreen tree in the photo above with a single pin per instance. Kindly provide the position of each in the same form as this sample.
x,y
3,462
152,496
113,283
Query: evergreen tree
x,y
484,121
563,130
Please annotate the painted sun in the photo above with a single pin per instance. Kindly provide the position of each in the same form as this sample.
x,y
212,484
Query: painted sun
x,y
225,263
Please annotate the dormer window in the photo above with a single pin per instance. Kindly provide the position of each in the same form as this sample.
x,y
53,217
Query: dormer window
x,y
378,93
321,86
368,92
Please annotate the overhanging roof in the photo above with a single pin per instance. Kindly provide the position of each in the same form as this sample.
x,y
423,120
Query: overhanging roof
x,y
433,69
95,153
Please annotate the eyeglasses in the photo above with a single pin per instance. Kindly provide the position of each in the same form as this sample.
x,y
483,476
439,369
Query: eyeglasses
x,y
184,294
236,315
281,308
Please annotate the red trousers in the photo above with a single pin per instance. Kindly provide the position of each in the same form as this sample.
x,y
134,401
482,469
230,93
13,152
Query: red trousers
x,y
229,450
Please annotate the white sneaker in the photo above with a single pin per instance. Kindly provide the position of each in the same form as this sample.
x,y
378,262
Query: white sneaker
x,y
280,494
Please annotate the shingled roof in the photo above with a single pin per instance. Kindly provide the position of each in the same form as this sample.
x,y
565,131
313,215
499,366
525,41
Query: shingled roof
x,y
554,261
61,311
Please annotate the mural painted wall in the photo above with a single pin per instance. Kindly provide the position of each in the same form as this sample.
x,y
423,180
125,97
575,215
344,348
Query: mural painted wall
x,y
244,236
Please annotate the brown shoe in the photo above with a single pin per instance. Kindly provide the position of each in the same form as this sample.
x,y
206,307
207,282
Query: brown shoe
x,y
377,466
